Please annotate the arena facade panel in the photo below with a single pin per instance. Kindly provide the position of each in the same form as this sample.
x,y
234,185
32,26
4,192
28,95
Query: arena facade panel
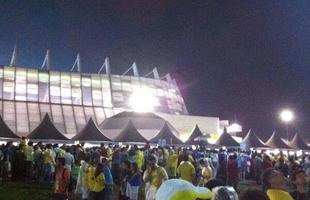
x,y
71,98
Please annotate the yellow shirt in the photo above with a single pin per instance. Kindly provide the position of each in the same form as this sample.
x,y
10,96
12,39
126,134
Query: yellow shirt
x,y
109,152
206,173
158,176
276,194
98,183
186,171
139,159
172,164
28,152
90,174
48,157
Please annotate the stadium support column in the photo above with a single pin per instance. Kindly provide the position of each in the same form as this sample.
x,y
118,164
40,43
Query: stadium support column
x,y
13,58
135,69
77,63
46,62
105,65
155,73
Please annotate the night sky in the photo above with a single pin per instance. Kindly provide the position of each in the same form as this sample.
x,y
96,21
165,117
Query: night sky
x,y
243,60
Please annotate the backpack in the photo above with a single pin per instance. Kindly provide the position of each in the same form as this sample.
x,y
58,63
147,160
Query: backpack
x,y
71,183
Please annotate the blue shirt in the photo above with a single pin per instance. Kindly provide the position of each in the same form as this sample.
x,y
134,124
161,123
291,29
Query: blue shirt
x,y
108,175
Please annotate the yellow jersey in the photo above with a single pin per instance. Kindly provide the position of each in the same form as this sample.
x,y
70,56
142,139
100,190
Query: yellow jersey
x,y
186,171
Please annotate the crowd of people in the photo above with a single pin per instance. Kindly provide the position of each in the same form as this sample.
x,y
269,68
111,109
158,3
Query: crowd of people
x,y
136,172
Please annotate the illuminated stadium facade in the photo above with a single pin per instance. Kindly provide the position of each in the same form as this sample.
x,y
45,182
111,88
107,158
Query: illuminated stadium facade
x,y
71,98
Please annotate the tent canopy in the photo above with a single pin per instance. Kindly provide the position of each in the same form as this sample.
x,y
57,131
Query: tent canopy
x,y
147,124
5,131
90,132
227,140
130,134
276,142
166,134
251,140
298,143
196,133
46,131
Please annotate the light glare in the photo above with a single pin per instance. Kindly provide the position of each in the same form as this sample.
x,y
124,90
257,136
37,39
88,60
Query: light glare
x,y
142,100
287,115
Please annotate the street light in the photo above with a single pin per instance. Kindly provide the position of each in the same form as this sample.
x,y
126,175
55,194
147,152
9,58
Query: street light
x,y
287,116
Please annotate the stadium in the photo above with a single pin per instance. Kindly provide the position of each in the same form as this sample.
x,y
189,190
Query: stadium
x,y
71,98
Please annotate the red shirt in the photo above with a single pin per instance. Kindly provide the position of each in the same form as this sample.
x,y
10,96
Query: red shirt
x,y
232,169
62,179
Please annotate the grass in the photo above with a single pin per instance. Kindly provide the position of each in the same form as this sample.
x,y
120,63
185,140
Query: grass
x,y
35,191
24,191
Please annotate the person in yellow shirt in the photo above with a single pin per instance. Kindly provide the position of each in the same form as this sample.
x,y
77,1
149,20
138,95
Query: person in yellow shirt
x,y
186,170
275,185
153,176
203,172
172,164
97,182
48,162
139,158
28,154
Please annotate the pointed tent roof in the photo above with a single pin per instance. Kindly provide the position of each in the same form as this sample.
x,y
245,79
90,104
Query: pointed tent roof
x,y
275,142
196,133
251,140
5,131
298,143
166,134
46,131
90,132
227,140
130,134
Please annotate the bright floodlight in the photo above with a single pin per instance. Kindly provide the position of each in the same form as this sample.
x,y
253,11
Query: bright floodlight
x,y
142,100
287,115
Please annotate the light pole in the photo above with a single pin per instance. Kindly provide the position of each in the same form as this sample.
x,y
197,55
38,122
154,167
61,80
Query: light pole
x,y
287,116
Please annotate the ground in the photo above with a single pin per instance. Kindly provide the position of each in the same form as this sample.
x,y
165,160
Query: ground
x,y
27,191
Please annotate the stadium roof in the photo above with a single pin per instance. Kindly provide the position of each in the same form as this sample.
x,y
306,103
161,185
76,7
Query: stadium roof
x,y
5,131
130,134
90,132
276,142
46,131
251,140
298,143
227,140
166,134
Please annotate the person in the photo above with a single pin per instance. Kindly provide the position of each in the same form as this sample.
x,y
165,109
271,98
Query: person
x,y
172,164
69,159
257,168
224,193
299,180
253,194
124,176
62,180
203,172
283,167
153,177
98,180
82,181
134,182
28,154
232,172
48,163
274,183
266,163
108,191
186,170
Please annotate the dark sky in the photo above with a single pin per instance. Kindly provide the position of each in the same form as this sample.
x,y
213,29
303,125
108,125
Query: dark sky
x,y
243,59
